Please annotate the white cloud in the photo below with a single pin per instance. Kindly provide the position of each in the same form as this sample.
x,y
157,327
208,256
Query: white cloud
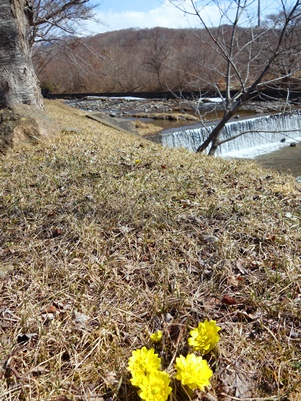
x,y
164,15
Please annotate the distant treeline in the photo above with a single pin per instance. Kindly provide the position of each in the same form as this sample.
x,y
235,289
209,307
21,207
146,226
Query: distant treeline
x,y
137,60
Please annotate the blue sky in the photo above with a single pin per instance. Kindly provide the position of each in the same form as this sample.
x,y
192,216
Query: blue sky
x,y
129,5
123,14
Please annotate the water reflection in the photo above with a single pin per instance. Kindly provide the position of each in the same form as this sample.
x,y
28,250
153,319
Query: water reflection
x,y
206,117
165,124
284,160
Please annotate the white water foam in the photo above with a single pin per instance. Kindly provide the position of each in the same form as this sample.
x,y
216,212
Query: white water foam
x,y
263,135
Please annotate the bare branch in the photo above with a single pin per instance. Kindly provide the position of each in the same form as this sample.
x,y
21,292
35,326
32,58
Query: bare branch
x,y
253,64
51,18
220,142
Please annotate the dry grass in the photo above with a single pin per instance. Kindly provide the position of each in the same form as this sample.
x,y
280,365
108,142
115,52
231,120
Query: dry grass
x,y
111,237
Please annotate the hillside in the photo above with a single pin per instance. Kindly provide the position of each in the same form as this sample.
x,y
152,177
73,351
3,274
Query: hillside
x,y
106,238
150,60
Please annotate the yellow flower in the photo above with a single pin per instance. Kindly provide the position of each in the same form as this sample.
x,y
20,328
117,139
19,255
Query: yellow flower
x,y
204,337
156,337
155,387
142,363
193,371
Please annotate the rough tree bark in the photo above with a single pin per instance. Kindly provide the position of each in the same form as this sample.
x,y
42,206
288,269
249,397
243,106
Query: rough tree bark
x,y
22,116
18,81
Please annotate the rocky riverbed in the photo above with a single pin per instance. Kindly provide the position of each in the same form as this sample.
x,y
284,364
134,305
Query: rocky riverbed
x,y
150,115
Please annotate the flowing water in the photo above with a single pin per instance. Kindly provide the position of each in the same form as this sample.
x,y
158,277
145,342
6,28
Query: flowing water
x,y
285,160
267,139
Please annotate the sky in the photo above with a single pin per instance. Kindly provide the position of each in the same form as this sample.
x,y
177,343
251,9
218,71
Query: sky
x,y
123,14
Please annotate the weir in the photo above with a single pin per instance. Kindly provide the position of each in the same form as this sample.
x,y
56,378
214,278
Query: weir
x,y
264,134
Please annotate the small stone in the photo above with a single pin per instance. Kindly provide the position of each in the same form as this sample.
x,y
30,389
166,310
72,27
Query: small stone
x,y
168,318
210,239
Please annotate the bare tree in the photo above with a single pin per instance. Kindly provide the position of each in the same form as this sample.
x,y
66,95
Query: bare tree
x,y
54,22
252,55
21,101
49,19
18,82
156,54
23,23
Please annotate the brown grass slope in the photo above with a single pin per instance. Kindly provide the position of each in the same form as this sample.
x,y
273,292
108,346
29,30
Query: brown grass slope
x,y
108,237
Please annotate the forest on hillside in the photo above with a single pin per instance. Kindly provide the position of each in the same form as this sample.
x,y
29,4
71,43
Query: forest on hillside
x,y
157,59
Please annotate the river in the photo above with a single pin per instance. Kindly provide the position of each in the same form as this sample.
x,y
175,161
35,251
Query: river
x,y
285,160
268,140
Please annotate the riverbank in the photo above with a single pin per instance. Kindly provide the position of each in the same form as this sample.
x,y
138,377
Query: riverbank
x,y
107,237
150,117
174,109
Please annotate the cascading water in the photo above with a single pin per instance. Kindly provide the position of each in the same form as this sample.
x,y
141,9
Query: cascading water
x,y
263,134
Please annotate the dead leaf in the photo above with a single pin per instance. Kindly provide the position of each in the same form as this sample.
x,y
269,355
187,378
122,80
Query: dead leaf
x,y
80,318
5,324
57,231
236,380
39,370
233,280
243,389
210,303
110,378
228,300
50,309
240,264
5,269
176,332
62,398
47,317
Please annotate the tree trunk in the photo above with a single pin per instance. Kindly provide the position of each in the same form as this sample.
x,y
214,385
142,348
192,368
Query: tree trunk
x,y
214,135
18,81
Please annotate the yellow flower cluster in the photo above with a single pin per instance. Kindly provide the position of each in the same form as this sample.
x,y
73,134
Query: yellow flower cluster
x,y
156,337
193,371
153,384
204,337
